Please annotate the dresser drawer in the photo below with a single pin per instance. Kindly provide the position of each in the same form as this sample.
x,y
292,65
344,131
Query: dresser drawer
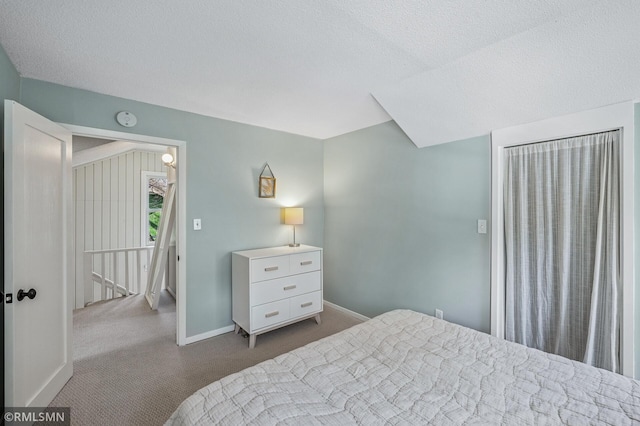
x,y
269,267
282,288
306,304
269,314
305,262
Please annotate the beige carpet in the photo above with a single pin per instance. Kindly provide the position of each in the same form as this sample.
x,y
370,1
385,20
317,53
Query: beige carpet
x,y
129,371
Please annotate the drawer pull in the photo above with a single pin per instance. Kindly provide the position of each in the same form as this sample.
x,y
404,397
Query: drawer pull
x,y
289,287
306,305
271,314
271,268
306,262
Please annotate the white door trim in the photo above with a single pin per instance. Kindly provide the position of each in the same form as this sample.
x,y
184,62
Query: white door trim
x,y
181,241
592,121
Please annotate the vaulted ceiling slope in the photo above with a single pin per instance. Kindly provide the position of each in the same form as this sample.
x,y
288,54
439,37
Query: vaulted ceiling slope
x,y
584,60
301,66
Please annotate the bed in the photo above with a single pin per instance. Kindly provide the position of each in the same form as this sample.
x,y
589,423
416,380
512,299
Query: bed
x,y
404,367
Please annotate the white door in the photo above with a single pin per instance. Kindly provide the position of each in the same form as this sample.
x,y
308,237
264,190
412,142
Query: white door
x,y
38,256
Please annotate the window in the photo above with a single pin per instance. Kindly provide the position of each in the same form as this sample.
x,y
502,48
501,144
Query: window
x,y
154,188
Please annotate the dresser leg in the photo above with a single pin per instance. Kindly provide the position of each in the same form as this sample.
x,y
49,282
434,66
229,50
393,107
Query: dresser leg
x,y
236,329
318,320
252,341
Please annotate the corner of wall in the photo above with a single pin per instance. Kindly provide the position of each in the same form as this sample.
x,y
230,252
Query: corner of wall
x,y
20,79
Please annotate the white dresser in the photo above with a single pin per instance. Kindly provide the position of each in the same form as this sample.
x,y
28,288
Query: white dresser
x,y
274,287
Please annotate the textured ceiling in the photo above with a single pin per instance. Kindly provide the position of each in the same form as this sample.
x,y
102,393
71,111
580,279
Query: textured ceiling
x,y
577,62
305,67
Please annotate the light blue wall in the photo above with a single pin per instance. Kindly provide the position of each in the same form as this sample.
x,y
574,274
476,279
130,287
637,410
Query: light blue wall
x,y
9,82
399,226
401,222
224,162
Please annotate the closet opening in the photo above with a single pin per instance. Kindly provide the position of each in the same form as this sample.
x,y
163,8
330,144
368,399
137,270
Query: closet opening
x,y
618,118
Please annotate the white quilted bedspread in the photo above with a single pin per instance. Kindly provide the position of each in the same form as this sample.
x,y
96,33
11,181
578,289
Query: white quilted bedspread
x,y
408,368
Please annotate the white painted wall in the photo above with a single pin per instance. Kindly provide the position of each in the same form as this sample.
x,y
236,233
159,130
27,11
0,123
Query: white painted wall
x,y
107,203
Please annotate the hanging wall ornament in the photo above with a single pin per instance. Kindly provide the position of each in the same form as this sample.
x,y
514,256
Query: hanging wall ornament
x,y
267,183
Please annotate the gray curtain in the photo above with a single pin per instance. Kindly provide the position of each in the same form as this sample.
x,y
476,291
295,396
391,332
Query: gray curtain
x,y
562,245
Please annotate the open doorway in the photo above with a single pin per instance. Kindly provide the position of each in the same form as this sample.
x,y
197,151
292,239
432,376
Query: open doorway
x,y
117,181
118,193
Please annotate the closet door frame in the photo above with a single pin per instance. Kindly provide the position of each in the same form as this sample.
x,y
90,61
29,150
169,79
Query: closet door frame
x,y
618,116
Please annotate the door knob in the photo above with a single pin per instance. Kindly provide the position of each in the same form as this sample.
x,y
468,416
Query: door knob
x,y
31,294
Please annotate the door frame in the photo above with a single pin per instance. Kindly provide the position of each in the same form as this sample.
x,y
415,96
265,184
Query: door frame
x,y
181,218
618,116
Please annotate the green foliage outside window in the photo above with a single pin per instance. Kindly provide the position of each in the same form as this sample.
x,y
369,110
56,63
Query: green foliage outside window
x,y
155,201
154,221
157,190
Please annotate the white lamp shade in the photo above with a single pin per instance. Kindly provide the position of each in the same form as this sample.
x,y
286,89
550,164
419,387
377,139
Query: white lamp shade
x,y
293,216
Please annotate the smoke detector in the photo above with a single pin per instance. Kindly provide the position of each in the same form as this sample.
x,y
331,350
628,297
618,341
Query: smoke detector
x,y
126,119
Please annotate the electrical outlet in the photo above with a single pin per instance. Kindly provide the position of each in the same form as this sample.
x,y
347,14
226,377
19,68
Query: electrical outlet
x,y
197,224
439,314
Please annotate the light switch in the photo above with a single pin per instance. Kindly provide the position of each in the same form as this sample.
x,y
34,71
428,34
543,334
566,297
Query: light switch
x,y
482,226
197,224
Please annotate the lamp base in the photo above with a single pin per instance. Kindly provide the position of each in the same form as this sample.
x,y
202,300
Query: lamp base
x,y
294,245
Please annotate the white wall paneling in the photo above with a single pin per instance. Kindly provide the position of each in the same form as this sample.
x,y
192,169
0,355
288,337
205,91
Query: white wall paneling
x,y
107,196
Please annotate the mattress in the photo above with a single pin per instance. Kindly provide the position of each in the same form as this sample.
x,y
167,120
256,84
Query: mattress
x,y
404,367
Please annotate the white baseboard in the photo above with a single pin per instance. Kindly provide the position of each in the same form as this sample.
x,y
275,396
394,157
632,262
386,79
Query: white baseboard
x,y
346,311
208,334
171,292
229,328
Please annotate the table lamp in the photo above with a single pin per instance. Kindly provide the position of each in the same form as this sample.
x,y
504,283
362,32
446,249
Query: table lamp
x,y
294,216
